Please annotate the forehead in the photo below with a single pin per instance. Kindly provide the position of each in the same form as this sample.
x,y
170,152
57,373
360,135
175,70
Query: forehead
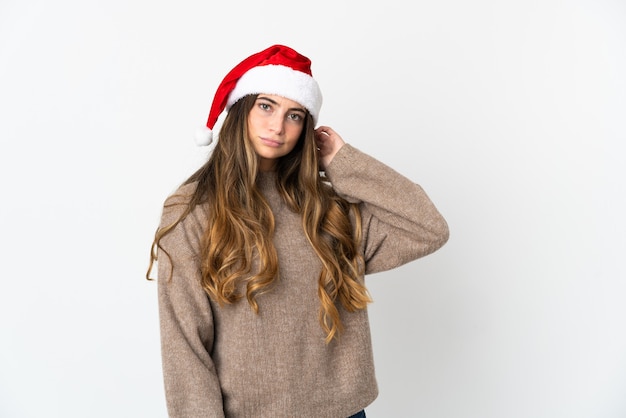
x,y
282,101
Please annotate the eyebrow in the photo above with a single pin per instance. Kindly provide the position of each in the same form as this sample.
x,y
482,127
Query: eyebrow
x,y
300,109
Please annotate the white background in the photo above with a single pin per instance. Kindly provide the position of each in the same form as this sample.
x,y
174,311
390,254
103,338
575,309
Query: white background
x,y
511,115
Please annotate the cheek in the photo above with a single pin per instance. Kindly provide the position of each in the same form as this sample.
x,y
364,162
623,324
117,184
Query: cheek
x,y
294,132
254,121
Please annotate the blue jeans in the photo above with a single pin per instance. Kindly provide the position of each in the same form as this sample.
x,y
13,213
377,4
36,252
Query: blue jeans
x,y
358,415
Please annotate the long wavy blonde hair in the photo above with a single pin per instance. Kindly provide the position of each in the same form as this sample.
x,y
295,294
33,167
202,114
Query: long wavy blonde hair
x,y
240,222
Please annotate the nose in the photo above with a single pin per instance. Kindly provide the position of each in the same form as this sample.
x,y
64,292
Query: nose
x,y
276,123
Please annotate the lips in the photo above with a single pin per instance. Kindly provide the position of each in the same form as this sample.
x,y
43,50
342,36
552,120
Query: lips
x,y
271,142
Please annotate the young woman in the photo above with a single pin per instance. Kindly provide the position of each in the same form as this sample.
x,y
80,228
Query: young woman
x,y
262,255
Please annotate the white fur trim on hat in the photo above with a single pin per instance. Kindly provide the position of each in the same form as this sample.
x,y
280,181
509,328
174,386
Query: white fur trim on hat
x,y
281,81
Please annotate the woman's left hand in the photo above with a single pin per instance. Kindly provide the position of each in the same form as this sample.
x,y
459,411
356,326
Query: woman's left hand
x,y
328,143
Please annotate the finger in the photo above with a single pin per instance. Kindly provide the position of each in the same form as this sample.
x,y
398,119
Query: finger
x,y
324,130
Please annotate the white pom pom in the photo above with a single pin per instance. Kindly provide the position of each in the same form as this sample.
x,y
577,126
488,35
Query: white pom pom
x,y
204,136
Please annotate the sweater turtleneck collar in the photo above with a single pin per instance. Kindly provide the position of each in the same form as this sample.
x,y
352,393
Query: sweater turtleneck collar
x,y
266,180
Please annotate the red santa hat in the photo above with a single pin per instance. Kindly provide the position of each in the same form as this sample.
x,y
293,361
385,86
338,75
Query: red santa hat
x,y
277,70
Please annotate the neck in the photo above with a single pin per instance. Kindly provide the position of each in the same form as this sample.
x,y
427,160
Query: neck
x,y
267,165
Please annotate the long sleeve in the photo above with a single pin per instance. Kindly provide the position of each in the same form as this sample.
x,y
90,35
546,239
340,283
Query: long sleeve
x,y
400,222
192,388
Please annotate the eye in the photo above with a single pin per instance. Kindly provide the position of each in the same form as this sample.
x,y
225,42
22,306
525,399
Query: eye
x,y
296,117
265,106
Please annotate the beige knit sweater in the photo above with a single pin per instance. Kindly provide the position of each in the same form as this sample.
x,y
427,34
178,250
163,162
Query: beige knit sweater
x,y
228,361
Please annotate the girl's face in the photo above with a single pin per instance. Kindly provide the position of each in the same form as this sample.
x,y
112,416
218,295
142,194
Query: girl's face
x,y
274,126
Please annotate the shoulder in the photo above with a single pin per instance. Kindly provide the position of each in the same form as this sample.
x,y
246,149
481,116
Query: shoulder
x,y
177,203
182,195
